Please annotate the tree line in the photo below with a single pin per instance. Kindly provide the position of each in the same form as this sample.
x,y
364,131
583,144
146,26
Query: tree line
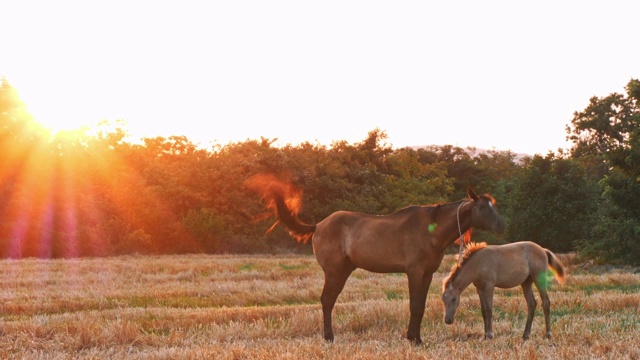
x,y
95,193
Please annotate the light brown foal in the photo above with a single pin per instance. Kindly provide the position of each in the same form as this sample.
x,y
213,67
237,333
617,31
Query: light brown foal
x,y
504,266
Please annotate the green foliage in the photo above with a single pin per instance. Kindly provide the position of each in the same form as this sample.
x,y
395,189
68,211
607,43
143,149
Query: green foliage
x,y
413,182
120,238
607,141
614,237
207,228
553,204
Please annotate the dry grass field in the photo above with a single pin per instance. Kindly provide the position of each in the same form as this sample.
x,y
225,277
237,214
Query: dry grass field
x,y
267,307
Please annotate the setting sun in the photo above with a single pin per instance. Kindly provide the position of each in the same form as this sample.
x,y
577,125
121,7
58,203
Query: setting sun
x,y
51,111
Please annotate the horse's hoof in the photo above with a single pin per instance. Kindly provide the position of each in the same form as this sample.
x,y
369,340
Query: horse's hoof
x,y
415,341
488,336
328,338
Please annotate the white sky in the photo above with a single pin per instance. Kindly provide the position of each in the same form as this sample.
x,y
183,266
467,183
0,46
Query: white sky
x,y
503,75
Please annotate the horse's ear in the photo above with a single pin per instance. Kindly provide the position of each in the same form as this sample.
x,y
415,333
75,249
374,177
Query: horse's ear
x,y
472,193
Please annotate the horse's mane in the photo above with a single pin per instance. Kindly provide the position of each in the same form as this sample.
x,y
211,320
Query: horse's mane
x,y
470,249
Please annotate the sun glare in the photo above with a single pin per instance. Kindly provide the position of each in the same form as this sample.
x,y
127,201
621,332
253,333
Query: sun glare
x,y
52,111
53,121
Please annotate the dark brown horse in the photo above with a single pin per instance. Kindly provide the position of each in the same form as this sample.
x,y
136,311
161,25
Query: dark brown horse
x,y
505,266
411,240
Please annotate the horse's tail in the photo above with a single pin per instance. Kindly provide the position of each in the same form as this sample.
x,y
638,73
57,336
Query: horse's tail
x,y
298,229
556,265
285,200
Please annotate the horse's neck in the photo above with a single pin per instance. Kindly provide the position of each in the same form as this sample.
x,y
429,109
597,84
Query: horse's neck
x,y
447,219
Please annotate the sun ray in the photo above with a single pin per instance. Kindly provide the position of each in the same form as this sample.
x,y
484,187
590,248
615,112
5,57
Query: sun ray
x,y
78,192
47,219
27,201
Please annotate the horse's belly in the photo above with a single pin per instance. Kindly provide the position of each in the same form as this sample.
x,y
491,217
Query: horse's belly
x,y
376,257
378,264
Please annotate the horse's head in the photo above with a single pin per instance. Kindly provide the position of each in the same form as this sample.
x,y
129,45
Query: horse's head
x,y
451,300
484,215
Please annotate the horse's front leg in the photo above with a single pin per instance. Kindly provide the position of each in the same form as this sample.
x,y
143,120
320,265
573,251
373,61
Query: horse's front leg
x,y
419,283
531,307
485,293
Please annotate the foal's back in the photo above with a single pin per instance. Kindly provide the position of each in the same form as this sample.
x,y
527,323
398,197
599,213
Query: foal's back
x,y
510,265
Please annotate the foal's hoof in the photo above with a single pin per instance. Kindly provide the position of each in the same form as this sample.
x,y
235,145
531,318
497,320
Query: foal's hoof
x,y
415,341
328,338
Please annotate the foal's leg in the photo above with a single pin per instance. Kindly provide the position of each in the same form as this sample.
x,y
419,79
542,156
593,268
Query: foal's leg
x,y
419,283
531,306
546,307
486,305
334,280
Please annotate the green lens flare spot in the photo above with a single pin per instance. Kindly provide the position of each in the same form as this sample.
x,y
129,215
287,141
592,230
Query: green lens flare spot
x,y
432,227
544,279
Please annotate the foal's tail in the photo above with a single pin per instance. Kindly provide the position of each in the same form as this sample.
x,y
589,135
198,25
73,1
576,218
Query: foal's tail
x,y
285,201
556,266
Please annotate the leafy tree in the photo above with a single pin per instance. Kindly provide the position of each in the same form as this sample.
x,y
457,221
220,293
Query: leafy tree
x,y
486,171
607,133
208,228
411,182
552,203
604,131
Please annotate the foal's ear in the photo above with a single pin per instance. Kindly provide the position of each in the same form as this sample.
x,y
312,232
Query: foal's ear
x,y
472,193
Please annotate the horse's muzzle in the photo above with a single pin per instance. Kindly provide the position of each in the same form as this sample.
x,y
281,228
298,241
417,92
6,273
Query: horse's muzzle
x,y
448,321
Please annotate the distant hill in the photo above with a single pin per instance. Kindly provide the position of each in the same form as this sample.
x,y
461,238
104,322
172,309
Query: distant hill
x,y
475,151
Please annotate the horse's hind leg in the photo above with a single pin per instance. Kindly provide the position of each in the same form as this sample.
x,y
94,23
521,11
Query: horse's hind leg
x,y
334,280
531,306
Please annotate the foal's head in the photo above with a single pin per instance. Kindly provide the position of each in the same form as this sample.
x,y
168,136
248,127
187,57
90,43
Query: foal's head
x,y
450,289
484,215
451,300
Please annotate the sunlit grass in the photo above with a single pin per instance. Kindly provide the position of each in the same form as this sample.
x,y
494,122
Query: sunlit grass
x,y
267,307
